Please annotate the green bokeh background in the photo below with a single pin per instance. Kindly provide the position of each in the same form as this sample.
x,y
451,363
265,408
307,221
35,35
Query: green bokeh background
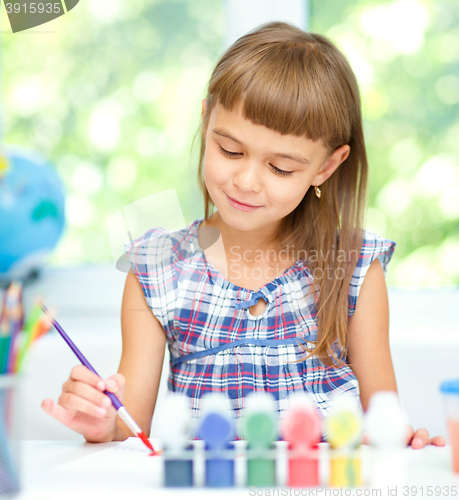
x,y
111,93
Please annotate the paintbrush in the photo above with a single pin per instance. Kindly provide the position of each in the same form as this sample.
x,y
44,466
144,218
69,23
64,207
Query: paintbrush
x,y
122,412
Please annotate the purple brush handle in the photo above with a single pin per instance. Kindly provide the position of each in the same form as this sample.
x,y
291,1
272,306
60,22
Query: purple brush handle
x,y
115,401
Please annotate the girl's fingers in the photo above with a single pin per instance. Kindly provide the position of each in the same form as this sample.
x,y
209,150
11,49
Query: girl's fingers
x,y
83,423
88,392
61,414
72,401
83,392
47,405
116,384
83,374
420,438
409,434
438,441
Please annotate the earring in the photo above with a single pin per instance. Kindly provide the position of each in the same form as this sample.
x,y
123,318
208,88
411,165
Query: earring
x,y
318,191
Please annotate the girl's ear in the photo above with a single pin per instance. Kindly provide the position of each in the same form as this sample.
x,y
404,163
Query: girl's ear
x,y
204,107
331,164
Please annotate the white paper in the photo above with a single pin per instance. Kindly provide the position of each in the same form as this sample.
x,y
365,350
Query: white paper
x,y
128,455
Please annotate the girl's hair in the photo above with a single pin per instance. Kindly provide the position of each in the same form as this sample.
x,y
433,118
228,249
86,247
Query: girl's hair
x,y
299,83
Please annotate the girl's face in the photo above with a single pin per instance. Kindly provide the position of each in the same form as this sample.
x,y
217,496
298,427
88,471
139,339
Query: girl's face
x,y
254,165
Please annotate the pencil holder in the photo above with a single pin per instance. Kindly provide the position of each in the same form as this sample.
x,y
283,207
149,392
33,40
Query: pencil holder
x,y
9,439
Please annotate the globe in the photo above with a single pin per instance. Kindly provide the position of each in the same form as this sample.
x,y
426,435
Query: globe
x,y
32,213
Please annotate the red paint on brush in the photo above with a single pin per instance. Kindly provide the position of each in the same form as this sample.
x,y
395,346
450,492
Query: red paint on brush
x,y
144,438
155,453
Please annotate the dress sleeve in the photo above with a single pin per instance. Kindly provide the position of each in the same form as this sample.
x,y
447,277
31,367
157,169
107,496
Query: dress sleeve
x,y
373,247
151,259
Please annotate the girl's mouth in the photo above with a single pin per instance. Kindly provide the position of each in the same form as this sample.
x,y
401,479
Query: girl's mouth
x,y
241,206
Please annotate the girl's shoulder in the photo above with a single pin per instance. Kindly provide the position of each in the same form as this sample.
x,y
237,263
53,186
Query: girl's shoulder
x,y
158,245
374,247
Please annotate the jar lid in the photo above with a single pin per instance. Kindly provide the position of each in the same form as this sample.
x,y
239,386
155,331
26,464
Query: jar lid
x,y
450,386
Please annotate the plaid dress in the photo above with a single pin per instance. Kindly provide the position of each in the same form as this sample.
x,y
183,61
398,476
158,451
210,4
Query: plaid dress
x,y
216,344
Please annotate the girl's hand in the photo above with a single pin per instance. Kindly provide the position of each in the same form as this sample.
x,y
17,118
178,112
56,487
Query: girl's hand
x,y
418,439
84,408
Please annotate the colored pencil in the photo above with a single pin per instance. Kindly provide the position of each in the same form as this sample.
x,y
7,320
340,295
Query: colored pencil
x,y
36,325
29,326
17,323
4,331
43,326
11,324
121,410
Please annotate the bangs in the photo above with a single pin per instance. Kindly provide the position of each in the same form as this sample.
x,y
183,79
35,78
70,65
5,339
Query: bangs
x,y
291,88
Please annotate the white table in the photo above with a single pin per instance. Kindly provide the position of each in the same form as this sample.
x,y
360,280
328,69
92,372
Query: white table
x,y
48,473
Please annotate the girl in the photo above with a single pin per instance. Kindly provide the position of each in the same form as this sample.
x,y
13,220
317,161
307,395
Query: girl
x,y
279,289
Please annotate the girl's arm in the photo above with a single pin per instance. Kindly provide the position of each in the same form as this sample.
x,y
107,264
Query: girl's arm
x,y
82,400
142,357
368,346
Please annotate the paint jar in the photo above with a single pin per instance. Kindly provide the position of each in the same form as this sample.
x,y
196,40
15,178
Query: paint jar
x,y
259,429
9,436
450,393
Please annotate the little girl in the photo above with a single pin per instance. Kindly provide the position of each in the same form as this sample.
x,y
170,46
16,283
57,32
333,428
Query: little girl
x,y
278,289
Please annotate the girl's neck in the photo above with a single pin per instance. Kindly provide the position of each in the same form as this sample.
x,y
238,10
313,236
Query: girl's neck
x,y
242,242
245,259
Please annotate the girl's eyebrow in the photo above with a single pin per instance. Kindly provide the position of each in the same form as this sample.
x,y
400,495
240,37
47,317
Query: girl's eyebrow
x,y
300,159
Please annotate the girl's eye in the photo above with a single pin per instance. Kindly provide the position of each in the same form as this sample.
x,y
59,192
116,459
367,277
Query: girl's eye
x,y
229,154
279,171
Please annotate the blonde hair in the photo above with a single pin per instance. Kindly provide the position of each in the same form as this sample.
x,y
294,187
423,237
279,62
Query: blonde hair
x,y
299,83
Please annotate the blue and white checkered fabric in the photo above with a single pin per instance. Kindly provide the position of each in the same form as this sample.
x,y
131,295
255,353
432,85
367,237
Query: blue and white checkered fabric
x,y
217,345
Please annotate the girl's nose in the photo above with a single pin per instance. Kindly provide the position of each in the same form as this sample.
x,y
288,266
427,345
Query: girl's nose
x,y
248,176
